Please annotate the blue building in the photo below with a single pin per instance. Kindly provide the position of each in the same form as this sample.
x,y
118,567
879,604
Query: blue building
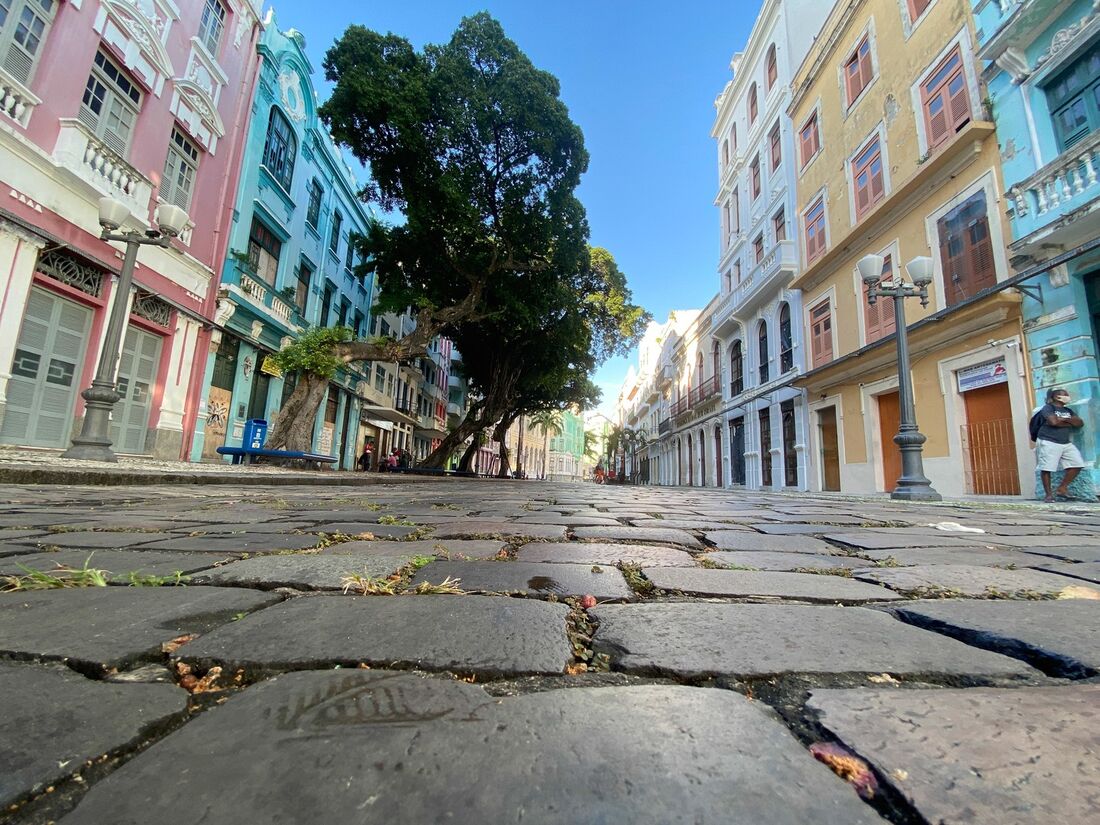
x,y
291,264
1043,79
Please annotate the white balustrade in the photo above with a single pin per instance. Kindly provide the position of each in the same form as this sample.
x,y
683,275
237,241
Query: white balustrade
x,y
280,309
16,100
87,157
253,288
1066,178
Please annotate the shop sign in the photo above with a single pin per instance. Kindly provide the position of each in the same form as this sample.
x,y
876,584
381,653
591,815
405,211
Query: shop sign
x,y
982,375
270,368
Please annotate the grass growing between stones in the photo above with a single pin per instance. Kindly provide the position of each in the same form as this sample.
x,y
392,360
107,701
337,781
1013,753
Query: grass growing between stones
x,y
61,577
397,584
843,572
65,577
636,579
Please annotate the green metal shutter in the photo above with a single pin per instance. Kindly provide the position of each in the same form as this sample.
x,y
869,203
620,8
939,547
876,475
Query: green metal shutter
x,y
45,371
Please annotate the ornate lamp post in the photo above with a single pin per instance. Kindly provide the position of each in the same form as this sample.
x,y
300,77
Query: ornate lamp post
x,y
94,441
913,484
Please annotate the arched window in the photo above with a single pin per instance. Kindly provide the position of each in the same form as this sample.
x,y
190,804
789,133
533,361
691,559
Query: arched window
x,y
737,369
716,359
281,149
752,104
786,345
699,370
772,67
762,334
725,153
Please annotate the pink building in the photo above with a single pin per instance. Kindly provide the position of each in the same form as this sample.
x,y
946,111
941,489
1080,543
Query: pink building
x,y
145,101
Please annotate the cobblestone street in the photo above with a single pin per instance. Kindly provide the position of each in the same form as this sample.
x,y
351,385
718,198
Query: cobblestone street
x,y
490,652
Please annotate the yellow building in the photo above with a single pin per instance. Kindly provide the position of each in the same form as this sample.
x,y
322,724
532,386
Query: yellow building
x,y
897,157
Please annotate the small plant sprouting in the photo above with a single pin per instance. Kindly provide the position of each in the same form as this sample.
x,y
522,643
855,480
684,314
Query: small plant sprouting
x,y
60,577
395,520
371,585
174,579
420,561
448,585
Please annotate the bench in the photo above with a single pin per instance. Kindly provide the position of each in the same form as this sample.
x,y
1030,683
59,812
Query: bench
x,y
247,455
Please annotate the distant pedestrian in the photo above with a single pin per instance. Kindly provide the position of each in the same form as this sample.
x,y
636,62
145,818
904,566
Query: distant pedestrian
x,y
1053,448
367,457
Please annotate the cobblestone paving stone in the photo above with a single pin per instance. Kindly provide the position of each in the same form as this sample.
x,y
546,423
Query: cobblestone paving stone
x,y
245,697
1011,757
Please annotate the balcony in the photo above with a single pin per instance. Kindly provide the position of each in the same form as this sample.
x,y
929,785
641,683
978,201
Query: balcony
x,y
665,427
88,158
262,296
1061,187
774,272
16,100
706,391
698,400
1012,24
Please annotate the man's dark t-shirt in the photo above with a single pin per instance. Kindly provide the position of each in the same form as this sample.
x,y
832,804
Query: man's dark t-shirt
x,y
1059,435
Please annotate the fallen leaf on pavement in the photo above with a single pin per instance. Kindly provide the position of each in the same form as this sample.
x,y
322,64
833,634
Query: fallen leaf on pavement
x,y
847,766
175,644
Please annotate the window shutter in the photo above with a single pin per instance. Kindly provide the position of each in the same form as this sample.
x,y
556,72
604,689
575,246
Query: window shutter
x,y
865,70
815,351
171,176
851,76
804,145
952,265
877,187
958,101
116,126
936,109
983,272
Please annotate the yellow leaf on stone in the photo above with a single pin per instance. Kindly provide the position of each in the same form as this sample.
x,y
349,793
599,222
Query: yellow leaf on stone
x,y
1079,592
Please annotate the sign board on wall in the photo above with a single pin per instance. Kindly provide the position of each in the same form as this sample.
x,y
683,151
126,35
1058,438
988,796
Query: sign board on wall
x,y
982,375
269,367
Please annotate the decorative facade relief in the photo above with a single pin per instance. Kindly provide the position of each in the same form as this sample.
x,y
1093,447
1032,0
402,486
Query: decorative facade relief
x,y
290,88
139,31
195,98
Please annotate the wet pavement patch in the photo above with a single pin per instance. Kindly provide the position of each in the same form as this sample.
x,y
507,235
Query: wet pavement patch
x,y
377,747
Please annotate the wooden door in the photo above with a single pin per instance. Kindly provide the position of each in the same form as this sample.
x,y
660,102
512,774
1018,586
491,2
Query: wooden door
x,y
717,456
830,449
889,416
989,443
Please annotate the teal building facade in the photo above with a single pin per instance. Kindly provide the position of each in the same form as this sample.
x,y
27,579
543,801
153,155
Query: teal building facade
x,y
291,264
1042,71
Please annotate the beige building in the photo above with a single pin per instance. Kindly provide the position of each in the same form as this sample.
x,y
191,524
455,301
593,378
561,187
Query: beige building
x,y
897,157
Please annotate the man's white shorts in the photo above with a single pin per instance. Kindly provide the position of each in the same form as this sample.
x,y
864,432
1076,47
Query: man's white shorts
x,y
1052,457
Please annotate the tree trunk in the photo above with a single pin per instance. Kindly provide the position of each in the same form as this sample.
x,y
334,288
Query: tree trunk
x,y
292,428
499,436
465,464
469,425
519,449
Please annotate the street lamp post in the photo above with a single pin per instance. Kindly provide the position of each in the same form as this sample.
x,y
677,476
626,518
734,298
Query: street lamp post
x,y
913,484
94,441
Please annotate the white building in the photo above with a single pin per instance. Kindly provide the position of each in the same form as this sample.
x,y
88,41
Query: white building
x,y
757,439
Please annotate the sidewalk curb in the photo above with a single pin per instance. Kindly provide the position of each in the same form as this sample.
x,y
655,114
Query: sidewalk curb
x,y
123,478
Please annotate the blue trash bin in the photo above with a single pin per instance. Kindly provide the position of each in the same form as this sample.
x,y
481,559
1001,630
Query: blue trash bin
x,y
255,434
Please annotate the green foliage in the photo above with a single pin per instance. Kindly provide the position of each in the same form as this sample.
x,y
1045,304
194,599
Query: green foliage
x,y
313,351
61,577
472,144
616,324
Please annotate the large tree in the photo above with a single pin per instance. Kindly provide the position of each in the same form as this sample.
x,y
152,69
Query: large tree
x,y
473,147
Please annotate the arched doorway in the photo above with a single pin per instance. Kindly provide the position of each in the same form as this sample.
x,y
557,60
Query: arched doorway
x,y
717,455
702,459
679,463
691,464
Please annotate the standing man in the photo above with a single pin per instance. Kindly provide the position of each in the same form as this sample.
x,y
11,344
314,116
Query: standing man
x,y
1053,448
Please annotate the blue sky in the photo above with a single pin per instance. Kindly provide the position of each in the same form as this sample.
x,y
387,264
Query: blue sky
x,y
639,78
